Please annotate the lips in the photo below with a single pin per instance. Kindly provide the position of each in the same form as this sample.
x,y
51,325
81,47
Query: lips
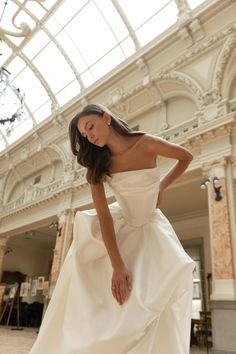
x,y
96,141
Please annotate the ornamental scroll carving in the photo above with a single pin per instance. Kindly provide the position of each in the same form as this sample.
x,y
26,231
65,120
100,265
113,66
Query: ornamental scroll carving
x,y
222,61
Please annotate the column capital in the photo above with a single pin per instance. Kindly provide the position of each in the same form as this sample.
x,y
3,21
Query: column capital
x,y
214,167
64,214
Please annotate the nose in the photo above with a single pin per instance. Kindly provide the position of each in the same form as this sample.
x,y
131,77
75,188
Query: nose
x,y
91,138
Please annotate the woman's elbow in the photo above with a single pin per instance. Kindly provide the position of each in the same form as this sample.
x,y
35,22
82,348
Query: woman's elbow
x,y
189,159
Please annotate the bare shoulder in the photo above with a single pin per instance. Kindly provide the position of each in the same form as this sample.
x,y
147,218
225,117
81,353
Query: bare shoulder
x,y
158,146
149,142
149,139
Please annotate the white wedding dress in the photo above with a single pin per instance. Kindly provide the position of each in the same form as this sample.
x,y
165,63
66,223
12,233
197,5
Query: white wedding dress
x,y
84,318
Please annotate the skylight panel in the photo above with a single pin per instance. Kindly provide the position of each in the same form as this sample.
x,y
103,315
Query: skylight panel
x,y
113,18
67,93
195,3
35,93
68,10
53,66
43,112
128,47
87,78
8,103
107,63
72,51
138,12
20,129
36,9
5,52
91,34
15,66
48,3
158,23
8,128
2,144
53,26
10,11
37,43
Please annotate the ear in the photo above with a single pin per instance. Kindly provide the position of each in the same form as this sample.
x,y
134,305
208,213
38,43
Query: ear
x,y
107,118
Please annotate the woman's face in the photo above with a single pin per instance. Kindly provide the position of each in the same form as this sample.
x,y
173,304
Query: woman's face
x,y
95,128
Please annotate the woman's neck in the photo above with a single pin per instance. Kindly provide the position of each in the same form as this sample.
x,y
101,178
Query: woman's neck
x,y
119,144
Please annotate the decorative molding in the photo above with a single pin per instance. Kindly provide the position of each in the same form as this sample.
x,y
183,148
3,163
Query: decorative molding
x,y
170,74
36,195
143,66
199,49
224,56
74,179
223,289
212,163
24,31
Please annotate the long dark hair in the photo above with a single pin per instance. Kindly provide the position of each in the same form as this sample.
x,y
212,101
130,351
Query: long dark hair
x,y
95,158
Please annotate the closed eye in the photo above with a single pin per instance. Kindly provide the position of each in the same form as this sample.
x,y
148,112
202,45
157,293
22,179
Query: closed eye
x,y
88,126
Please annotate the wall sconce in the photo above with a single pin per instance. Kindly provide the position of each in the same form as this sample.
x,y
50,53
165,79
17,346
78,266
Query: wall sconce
x,y
56,224
216,185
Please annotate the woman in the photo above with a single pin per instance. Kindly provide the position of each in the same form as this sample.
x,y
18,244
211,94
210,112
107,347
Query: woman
x,y
126,283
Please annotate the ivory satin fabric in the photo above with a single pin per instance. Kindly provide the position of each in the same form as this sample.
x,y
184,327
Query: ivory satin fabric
x,y
84,318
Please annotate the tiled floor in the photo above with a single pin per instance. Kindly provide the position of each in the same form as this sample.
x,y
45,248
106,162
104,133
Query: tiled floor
x,y
20,342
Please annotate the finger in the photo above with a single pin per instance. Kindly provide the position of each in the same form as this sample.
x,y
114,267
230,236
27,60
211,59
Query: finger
x,y
118,292
129,282
113,290
123,291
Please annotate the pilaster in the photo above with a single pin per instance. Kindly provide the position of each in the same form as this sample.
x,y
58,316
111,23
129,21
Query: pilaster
x,y
58,249
220,235
3,243
63,240
223,247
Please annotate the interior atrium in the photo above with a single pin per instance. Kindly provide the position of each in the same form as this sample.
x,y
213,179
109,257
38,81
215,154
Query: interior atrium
x,y
167,68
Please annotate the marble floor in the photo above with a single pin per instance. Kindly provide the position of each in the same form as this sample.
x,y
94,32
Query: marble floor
x,y
20,341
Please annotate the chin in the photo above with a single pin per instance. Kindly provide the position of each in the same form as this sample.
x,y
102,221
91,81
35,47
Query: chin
x,y
100,144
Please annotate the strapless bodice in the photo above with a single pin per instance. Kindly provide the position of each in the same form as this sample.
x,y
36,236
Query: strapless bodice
x,y
136,192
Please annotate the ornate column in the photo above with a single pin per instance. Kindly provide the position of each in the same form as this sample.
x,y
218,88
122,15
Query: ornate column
x,y
68,233
56,263
222,238
63,239
3,243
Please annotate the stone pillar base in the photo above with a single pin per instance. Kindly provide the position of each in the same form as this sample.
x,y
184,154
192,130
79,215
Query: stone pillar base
x,y
223,326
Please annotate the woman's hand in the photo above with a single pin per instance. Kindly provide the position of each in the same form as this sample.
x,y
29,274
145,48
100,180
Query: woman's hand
x,y
121,283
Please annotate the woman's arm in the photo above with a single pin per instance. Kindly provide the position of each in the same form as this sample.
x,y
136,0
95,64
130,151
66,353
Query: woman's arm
x,y
158,146
121,280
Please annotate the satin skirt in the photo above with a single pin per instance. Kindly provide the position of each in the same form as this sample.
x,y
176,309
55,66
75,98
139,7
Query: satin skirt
x,y
84,318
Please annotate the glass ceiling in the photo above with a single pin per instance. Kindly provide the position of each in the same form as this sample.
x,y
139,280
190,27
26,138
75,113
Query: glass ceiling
x,y
55,49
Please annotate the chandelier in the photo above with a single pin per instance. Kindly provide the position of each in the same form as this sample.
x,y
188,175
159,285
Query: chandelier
x,y
11,98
